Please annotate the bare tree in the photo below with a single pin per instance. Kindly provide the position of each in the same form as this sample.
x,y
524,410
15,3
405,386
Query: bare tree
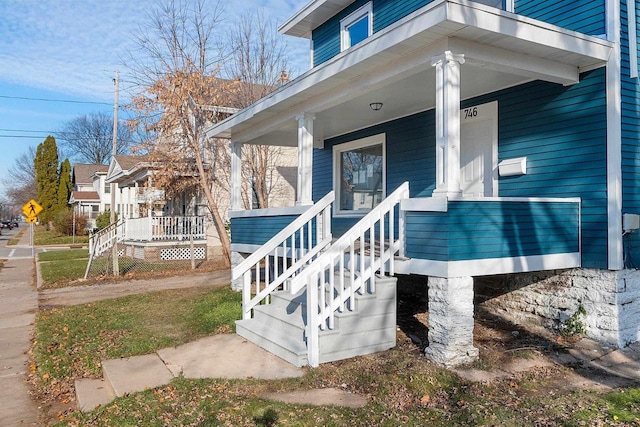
x,y
89,138
257,58
177,66
20,184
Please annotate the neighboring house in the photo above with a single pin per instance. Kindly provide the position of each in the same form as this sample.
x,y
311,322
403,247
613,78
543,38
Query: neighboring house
x,y
514,125
155,220
90,195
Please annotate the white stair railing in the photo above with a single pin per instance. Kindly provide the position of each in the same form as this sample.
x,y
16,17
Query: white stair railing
x,y
284,255
370,247
101,241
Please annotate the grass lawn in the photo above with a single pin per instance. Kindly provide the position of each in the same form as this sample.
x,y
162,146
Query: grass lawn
x,y
65,267
59,273
71,342
61,267
14,241
63,255
42,236
403,387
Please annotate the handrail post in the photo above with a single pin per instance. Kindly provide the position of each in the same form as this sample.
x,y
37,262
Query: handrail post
x,y
246,294
313,338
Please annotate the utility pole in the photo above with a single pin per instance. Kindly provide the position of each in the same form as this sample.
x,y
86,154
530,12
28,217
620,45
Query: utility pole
x,y
114,249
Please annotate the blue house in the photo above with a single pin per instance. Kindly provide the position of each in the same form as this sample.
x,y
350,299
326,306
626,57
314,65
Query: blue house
x,y
452,139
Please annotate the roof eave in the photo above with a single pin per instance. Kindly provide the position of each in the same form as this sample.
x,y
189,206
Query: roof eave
x,y
454,13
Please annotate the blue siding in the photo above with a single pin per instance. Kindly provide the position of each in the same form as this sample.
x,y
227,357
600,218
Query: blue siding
x,y
473,230
326,38
585,16
258,230
630,140
410,144
561,130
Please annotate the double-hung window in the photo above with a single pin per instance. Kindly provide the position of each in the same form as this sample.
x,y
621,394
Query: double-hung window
x,y
359,174
356,27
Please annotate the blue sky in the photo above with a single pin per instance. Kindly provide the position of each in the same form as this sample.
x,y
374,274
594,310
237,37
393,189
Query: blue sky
x,y
58,59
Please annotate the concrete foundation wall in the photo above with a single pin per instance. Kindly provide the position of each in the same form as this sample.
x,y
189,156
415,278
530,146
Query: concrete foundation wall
x,y
611,300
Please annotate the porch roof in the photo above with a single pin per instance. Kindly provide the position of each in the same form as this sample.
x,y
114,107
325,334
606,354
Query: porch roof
x,y
84,196
393,66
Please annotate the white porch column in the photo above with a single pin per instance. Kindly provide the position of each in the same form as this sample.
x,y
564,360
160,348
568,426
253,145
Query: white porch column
x,y
305,159
236,176
451,321
447,124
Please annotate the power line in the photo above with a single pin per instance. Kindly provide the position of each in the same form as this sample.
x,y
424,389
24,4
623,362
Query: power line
x,y
68,101
24,130
54,100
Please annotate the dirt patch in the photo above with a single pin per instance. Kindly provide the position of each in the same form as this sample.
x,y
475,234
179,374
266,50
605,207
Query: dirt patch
x,y
507,350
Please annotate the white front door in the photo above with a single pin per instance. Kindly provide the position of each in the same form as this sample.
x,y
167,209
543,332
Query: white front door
x,y
479,150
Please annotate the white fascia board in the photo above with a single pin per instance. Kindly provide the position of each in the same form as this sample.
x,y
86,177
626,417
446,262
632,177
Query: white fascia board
x,y
315,12
438,21
488,266
258,213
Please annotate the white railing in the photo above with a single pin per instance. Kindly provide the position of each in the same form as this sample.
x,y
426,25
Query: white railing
x,y
349,265
139,228
166,228
178,227
102,241
284,255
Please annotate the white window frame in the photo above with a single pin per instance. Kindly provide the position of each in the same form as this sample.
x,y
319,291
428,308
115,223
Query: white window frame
x,y
379,139
352,18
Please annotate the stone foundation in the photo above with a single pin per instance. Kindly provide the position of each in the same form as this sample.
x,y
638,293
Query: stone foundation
x,y
451,321
611,300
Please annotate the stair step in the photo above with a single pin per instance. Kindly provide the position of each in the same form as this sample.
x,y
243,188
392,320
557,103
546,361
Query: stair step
x,y
289,325
263,335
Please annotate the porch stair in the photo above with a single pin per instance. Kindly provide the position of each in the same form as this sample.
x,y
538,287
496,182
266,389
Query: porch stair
x,y
310,299
280,327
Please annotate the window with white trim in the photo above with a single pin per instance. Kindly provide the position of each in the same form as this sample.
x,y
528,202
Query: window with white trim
x,y
356,27
359,174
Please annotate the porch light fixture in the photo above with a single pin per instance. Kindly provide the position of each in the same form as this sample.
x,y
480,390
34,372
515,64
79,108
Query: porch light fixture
x,y
376,106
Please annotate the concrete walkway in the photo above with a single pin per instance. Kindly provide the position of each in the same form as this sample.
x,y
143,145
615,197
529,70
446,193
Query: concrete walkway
x,y
73,295
18,306
218,356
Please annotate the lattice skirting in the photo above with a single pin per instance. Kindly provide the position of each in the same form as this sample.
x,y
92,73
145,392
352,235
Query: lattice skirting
x,y
172,254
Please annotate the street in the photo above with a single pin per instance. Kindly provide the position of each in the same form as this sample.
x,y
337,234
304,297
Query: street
x,y
21,251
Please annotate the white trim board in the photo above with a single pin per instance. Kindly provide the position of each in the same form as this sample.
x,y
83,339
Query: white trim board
x,y
257,213
489,266
614,140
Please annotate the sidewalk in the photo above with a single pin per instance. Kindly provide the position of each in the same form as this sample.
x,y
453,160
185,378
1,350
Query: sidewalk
x,y
18,306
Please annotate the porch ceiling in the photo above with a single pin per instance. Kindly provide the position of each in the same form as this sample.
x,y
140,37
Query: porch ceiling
x,y
394,67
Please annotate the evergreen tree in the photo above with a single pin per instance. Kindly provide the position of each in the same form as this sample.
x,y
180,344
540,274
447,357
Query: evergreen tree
x,y
46,167
64,184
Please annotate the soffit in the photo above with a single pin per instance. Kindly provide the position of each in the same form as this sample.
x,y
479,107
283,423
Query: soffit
x,y
394,67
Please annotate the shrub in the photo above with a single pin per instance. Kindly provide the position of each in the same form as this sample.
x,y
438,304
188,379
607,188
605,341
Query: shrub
x,y
104,219
63,222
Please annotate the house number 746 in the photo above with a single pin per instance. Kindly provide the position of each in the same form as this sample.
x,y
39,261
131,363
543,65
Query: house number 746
x,y
470,112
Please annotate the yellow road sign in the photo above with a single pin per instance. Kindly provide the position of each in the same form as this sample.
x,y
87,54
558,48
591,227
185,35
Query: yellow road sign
x,y
32,219
31,209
